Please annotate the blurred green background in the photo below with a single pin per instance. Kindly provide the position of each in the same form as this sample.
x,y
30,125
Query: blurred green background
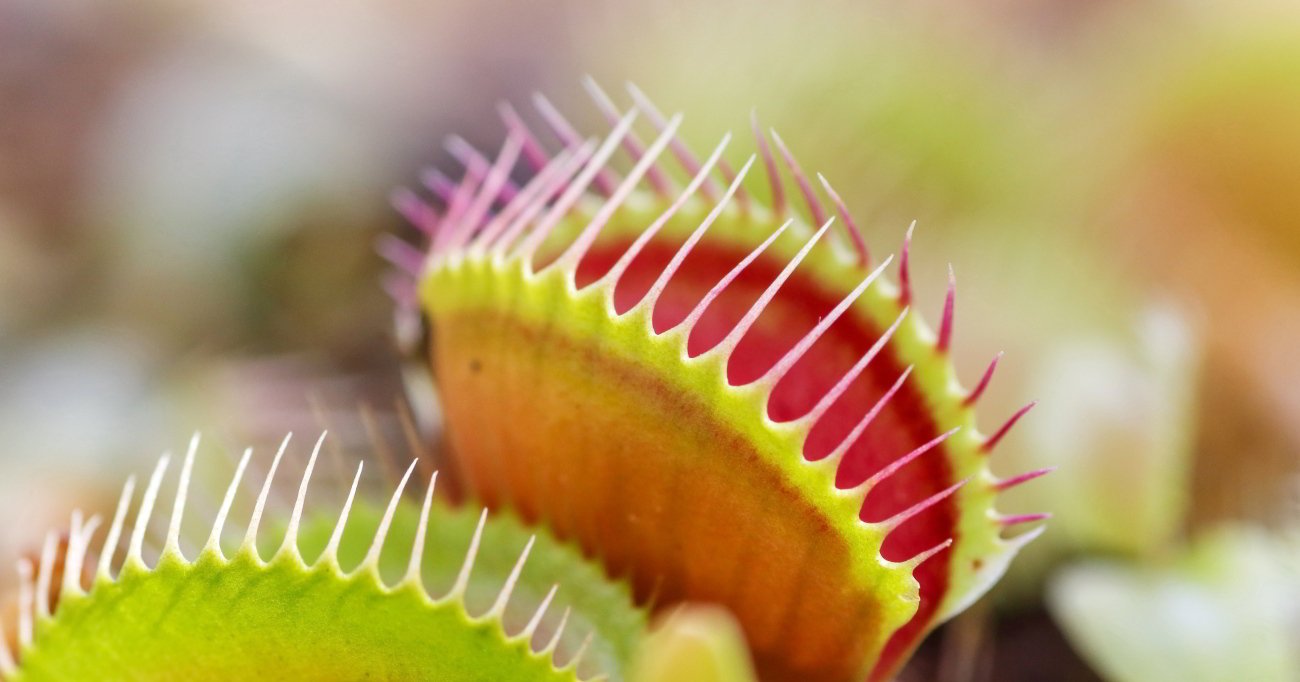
x,y
190,194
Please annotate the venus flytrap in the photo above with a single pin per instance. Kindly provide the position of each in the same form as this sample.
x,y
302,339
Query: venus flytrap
x,y
714,397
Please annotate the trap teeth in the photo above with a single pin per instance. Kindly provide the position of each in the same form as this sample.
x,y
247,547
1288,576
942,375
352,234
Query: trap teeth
x,y
381,587
636,353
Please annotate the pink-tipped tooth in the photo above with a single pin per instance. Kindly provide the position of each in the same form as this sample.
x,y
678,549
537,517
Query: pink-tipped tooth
x,y
992,441
696,313
465,152
1019,479
401,288
945,323
509,190
418,213
568,136
836,391
575,190
742,196
926,555
497,177
983,384
905,269
658,180
779,205
439,184
855,234
683,153
400,253
529,211
900,462
573,255
625,261
559,125
729,343
475,173
837,455
555,183
533,150
1019,519
666,275
536,191
892,523
792,356
815,207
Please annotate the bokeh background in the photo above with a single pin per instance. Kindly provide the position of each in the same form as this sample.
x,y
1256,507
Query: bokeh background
x,y
190,194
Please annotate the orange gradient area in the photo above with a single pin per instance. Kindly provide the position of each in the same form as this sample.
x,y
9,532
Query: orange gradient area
x,y
643,474
686,510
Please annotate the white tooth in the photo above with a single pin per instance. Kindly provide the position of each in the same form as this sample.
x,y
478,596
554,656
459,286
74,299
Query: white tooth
x,y
527,633
135,552
498,609
462,580
331,552
115,532
172,544
381,534
291,532
250,537
417,548
219,525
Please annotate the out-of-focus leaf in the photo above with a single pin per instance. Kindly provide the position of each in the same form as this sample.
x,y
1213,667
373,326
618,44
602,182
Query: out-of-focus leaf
x,y
1115,419
1227,610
